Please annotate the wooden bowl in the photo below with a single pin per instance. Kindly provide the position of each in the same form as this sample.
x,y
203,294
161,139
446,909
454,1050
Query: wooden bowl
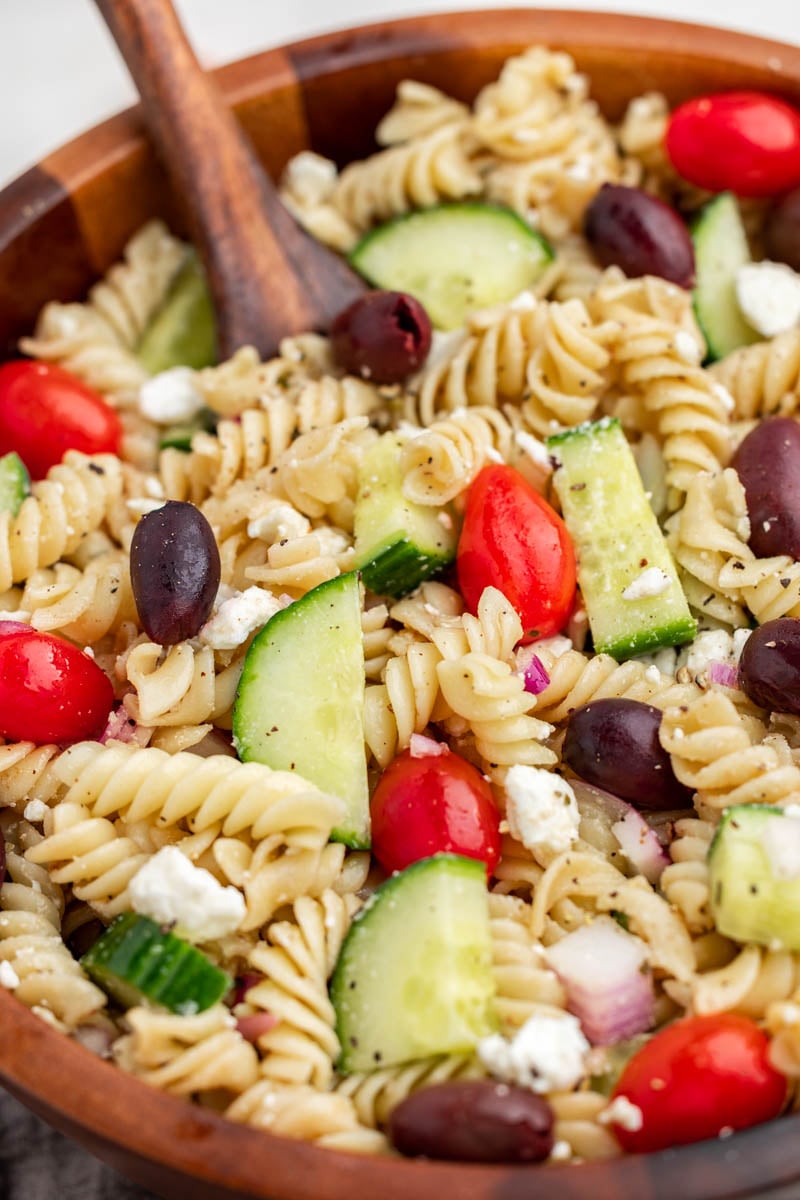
x,y
66,221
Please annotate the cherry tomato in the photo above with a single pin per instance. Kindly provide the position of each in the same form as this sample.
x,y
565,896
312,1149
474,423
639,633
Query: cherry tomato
x,y
45,411
424,806
697,1077
513,540
745,142
50,691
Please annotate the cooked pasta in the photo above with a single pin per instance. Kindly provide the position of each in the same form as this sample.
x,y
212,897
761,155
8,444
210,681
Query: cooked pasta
x,y
280,887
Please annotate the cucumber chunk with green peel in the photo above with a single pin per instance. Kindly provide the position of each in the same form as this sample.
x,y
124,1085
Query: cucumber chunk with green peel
x,y
300,702
627,577
454,258
720,248
183,331
15,483
414,976
135,961
398,543
754,876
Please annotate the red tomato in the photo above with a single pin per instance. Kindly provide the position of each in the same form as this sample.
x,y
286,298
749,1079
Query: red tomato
x,y
50,691
513,540
45,411
745,142
424,806
697,1077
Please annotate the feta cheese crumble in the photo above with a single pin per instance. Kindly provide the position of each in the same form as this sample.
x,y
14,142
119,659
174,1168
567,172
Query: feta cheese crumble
x,y
621,1111
534,448
170,397
173,891
8,976
35,810
279,522
768,294
238,617
541,810
687,348
652,582
547,1054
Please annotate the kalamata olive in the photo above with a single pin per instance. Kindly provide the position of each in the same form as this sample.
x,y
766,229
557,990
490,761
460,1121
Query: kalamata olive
x,y
382,336
768,464
175,571
614,745
473,1120
630,229
782,230
769,667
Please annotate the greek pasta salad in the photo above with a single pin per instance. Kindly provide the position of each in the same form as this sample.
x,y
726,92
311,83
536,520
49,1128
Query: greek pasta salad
x,y
401,737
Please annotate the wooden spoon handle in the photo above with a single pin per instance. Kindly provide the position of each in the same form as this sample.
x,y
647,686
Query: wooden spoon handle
x,y
268,278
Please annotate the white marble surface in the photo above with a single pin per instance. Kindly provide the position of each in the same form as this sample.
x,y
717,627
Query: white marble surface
x,y
60,73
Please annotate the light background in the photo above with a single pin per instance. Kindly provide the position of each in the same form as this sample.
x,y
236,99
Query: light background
x,y
60,73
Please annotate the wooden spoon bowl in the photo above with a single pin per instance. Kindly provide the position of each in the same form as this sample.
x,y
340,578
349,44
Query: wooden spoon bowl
x,y
65,222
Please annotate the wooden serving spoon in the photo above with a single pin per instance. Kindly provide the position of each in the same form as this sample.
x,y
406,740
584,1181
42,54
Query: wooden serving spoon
x,y
268,278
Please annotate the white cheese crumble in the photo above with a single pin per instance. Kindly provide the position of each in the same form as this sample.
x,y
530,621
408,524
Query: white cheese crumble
x,y
769,296
652,674
534,448
547,1054
561,1152
623,1112
238,617
35,810
711,645
279,522
19,614
687,348
171,890
8,976
652,582
541,810
523,302
170,397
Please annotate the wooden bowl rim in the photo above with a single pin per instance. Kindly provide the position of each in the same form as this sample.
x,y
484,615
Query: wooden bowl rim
x,y
176,1136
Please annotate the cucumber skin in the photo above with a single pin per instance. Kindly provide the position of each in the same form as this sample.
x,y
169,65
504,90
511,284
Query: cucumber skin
x,y
355,833
402,559
736,863
391,890
182,333
721,338
118,963
360,252
651,633
15,483
179,437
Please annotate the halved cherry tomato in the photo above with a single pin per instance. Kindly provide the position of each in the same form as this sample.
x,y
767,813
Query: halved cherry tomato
x,y
45,411
425,806
697,1077
50,691
513,540
745,142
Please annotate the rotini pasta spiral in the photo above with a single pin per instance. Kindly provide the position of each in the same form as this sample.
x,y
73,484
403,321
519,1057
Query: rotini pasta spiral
x,y
376,1094
685,882
82,605
441,462
187,1054
763,378
525,984
325,1118
179,685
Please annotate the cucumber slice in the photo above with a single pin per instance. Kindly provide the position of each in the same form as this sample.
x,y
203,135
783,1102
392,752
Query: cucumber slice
x,y
616,538
136,961
720,248
300,702
414,976
15,483
454,258
179,437
183,331
398,543
754,869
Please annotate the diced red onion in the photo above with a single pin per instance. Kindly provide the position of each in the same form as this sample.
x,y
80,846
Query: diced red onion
x,y
256,1025
723,673
424,747
535,676
607,821
601,968
96,1039
120,727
